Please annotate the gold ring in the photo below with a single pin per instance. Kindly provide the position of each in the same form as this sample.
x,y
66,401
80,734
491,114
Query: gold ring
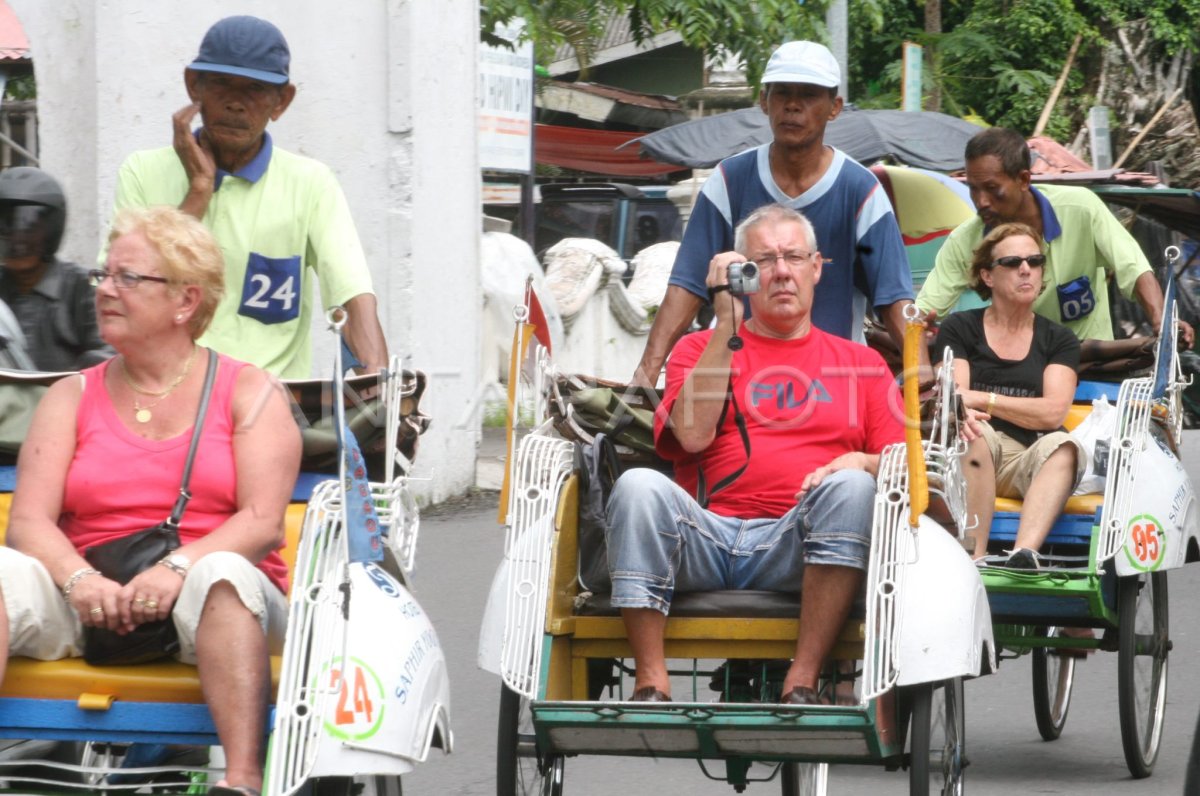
x,y
139,600
152,604
96,610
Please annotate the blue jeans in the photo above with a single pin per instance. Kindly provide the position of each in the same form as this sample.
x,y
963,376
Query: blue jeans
x,y
660,540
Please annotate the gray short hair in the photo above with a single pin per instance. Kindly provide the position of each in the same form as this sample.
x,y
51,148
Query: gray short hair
x,y
775,213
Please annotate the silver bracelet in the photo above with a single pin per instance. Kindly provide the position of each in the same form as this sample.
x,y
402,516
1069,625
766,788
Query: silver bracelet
x,y
175,563
73,581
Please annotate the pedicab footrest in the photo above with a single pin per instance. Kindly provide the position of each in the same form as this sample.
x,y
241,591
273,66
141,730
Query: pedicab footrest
x,y
711,731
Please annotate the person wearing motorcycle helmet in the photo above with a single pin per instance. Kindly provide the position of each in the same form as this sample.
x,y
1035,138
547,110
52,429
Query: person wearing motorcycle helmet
x,y
51,298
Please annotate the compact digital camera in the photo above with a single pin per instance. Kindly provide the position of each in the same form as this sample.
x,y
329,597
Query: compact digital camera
x,y
743,279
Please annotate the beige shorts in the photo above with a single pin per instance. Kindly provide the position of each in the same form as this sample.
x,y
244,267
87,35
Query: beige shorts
x,y
1016,465
42,625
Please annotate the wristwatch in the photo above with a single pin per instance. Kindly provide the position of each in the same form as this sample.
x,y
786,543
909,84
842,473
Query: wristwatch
x,y
177,563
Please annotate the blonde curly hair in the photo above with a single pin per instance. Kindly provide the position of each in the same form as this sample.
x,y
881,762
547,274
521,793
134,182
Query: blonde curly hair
x,y
189,252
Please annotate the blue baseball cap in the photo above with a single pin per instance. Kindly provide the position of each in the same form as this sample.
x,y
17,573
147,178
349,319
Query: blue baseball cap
x,y
246,47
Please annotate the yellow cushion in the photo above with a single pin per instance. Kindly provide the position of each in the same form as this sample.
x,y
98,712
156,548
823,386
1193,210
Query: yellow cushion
x,y
71,678
1075,415
169,681
1077,504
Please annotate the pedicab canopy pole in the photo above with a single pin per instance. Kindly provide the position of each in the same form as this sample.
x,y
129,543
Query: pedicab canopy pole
x,y
918,484
523,332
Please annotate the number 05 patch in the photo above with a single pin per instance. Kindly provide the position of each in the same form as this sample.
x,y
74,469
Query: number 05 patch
x,y
1075,299
271,291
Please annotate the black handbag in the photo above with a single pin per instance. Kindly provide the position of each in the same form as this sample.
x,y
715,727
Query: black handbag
x,y
598,468
122,559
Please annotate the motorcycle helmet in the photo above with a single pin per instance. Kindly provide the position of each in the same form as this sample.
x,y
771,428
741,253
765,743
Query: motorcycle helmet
x,y
33,212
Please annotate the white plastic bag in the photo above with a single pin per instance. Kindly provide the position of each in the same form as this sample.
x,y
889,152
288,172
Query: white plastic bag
x,y
1095,434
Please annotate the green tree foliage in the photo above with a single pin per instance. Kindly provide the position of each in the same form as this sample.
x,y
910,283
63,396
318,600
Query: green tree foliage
x,y
1175,24
749,31
21,88
1000,58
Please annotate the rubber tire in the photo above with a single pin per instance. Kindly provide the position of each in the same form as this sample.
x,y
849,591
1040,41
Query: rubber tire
x,y
1053,681
952,733
516,775
793,783
1142,715
789,779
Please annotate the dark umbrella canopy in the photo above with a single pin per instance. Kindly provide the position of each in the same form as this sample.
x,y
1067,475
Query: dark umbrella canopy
x,y
925,139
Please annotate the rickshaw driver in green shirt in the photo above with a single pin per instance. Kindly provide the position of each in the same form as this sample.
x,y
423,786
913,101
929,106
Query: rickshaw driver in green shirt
x,y
281,218
1085,243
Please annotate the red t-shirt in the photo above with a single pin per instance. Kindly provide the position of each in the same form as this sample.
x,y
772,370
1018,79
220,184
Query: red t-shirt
x,y
119,482
805,402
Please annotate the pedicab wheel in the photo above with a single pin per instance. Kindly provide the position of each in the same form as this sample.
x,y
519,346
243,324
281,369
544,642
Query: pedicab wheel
x,y
355,786
1142,667
520,770
1053,678
801,779
789,779
937,739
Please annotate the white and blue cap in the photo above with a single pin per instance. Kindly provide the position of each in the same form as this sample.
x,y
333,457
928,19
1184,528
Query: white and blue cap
x,y
245,47
803,62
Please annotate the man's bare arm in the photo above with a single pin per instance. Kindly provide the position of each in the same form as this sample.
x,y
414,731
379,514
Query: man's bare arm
x,y
364,335
674,316
197,159
1149,296
701,402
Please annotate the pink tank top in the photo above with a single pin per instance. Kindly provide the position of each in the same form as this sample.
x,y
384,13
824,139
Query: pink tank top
x,y
119,482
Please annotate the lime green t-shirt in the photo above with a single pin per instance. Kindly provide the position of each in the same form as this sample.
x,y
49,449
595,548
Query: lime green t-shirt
x,y
1085,243
282,224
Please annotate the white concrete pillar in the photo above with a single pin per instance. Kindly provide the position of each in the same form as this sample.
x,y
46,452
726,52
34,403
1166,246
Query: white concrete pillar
x,y
385,96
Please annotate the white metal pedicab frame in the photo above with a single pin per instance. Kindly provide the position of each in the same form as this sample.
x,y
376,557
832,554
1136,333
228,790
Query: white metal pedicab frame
x,y
1105,564
539,637
363,692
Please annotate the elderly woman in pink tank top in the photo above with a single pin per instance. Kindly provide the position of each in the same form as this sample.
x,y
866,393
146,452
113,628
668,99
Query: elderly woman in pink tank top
x,y
104,458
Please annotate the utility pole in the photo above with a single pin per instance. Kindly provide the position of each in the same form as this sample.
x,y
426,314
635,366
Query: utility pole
x,y
836,20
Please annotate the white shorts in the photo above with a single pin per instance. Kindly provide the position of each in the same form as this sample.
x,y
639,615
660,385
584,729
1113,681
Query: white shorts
x,y
42,625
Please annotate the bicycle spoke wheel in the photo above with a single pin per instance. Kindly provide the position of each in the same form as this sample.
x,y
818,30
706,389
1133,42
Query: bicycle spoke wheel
x,y
937,740
1142,668
803,779
520,770
1053,678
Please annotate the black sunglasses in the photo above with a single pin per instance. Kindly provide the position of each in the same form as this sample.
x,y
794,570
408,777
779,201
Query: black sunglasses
x,y
1013,261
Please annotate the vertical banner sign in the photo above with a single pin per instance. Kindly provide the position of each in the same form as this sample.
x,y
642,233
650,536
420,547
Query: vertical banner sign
x,y
910,80
505,103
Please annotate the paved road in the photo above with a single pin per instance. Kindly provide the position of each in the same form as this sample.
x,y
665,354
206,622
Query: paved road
x,y
461,543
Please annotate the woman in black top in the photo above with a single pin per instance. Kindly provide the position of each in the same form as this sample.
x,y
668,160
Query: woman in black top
x,y
1016,373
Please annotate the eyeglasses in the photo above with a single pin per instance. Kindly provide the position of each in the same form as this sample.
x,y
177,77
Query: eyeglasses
x,y
1013,261
793,259
126,280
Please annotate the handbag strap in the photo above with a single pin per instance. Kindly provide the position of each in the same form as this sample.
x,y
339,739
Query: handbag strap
x,y
210,375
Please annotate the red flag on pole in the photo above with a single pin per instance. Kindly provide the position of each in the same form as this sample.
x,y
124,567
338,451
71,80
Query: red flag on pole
x,y
537,318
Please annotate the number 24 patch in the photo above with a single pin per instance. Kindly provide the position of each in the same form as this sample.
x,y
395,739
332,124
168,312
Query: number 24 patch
x,y
271,290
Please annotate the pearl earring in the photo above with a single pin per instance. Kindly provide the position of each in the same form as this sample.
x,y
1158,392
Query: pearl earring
x,y
178,318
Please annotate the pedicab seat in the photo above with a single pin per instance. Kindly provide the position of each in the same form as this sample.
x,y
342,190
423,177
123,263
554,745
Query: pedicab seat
x,y
718,605
1076,504
718,624
97,687
1074,526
